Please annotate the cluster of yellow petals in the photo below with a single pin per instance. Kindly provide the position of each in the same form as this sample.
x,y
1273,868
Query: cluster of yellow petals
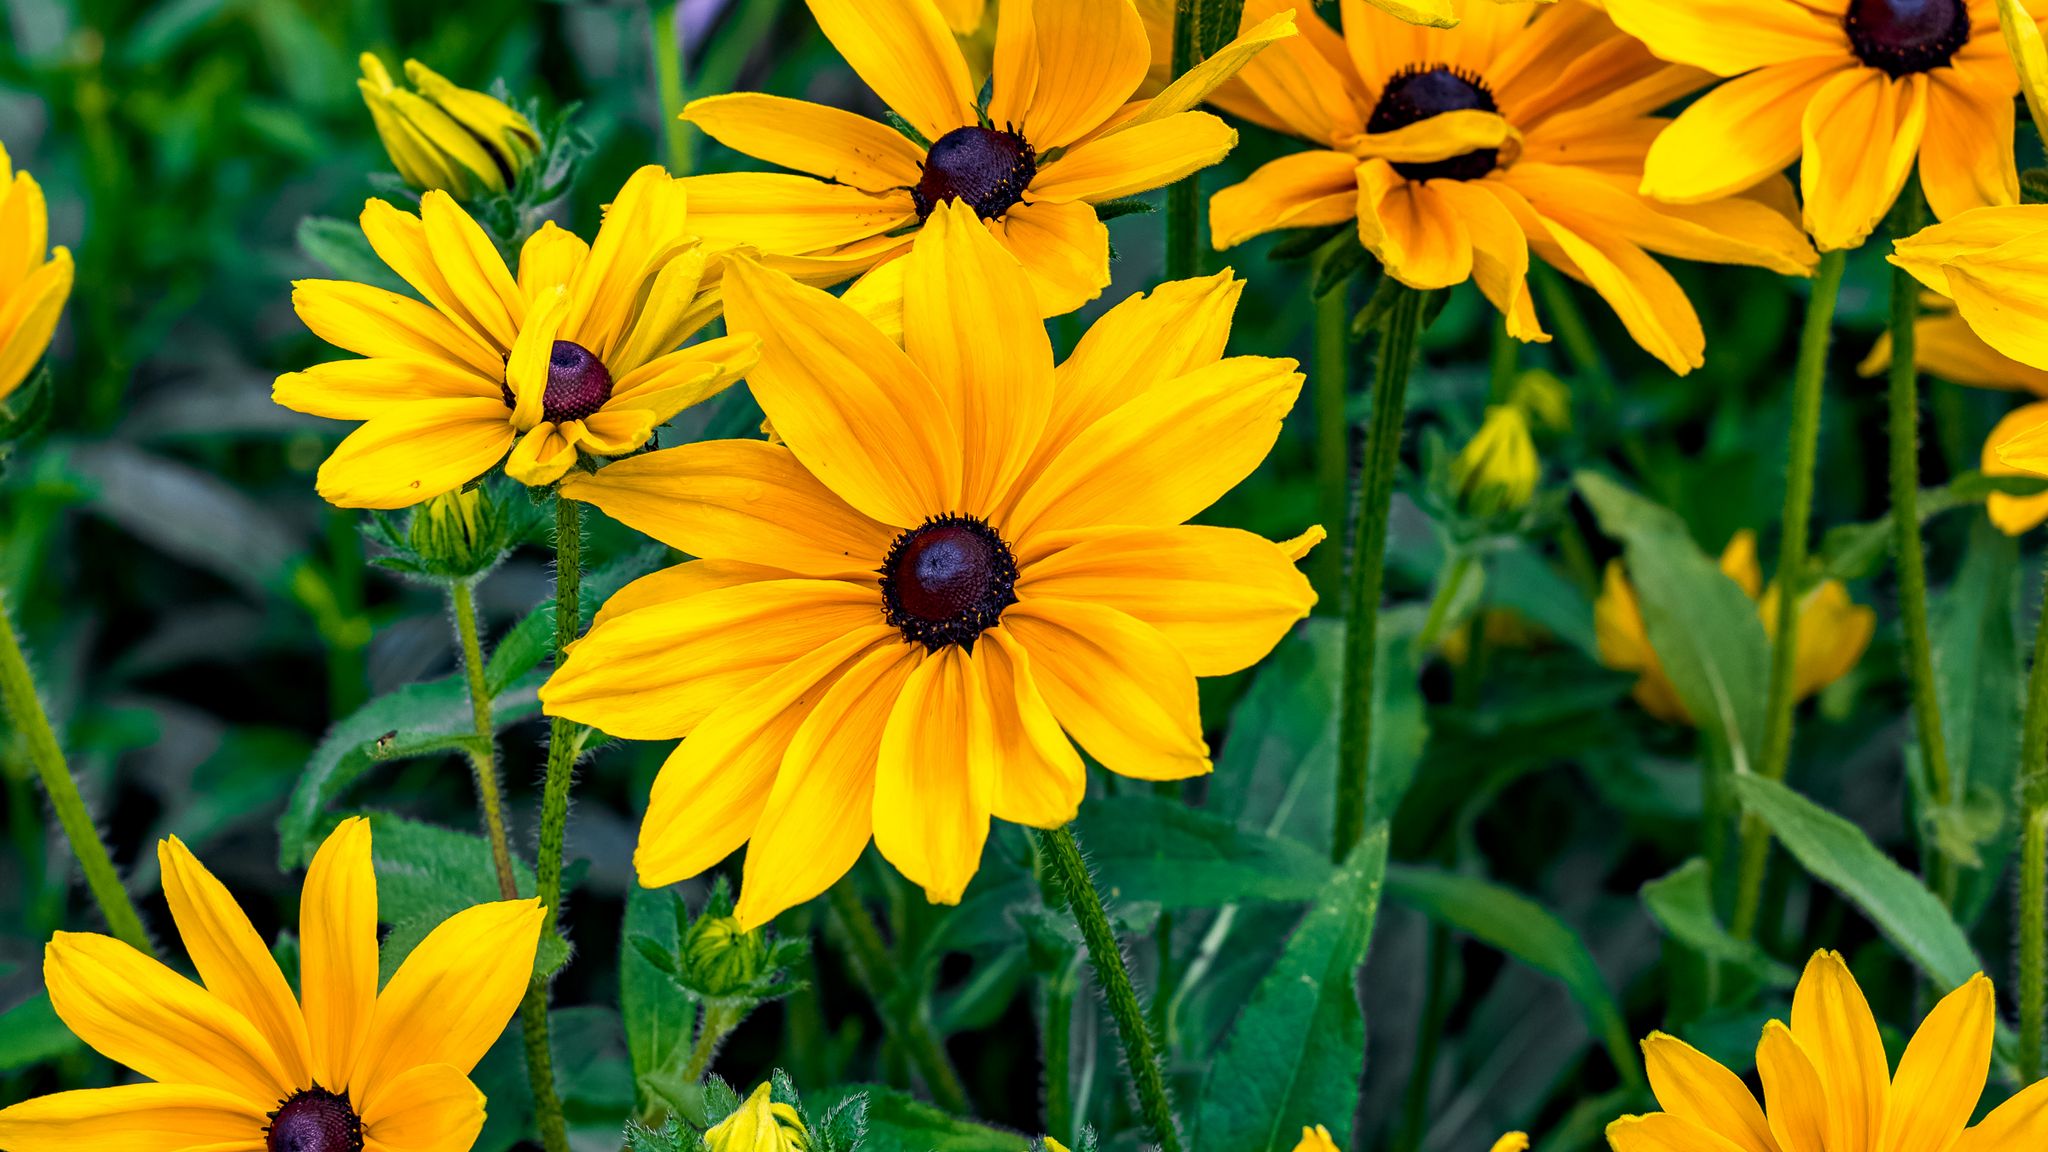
x,y
35,279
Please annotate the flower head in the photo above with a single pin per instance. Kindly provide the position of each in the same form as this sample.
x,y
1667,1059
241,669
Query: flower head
x,y
759,1125
440,136
35,279
1459,152
241,1063
1059,135
1828,1083
577,356
1855,90
961,560
1834,631
1497,470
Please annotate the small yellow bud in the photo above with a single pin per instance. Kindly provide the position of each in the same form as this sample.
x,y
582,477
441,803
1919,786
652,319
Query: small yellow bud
x,y
1316,1139
1498,469
441,136
722,959
759,1125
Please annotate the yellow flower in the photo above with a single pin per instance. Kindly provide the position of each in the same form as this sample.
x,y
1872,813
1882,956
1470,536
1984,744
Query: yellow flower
x,y
1828,1084
1460,151
575,356
240,1062
1316,1139
1058,138
963,561
759,1125
1854,90
1497,470
35,279
441,136
1991,262
1944,346
1834,631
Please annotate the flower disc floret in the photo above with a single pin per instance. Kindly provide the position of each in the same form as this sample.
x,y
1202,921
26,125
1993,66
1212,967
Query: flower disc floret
x,y
1902,37
1424,91
314,1120
985,168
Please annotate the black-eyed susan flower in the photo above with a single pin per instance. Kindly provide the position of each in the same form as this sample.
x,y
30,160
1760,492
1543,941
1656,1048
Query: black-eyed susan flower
x,y
1828,1083
442,136
1834,631
1059,135
577,356
960,561
1855,90
1459,151
35,279
238,1062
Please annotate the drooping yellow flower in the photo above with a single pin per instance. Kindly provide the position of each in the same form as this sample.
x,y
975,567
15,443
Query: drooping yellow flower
x,y
1855,90
1828,1083
1059,136
1498,468
1460,151
961,561
759,1125
460,141
241,1064
1834,631
35,279
577,356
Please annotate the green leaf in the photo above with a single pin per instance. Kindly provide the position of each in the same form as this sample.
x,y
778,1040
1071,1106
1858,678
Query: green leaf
x,y
31,1033
427,873
897,1122
526,644
1337,268
342,247
1161,851
1703,626
1854,551
1296,1052
1505,919
1126,206
1682,903
659,1016
1979,679
1838,854
1520,580
1301,243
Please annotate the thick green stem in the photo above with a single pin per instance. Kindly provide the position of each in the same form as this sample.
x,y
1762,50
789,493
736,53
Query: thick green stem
x,y
2033,910
25,709
1184,196
902,1015
668,85
1368,566
1141,1051
483,755
1809,375
1332,365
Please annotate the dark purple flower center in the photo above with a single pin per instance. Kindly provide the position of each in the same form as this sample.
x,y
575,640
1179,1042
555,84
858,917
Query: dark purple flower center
x,y
578,383
1906,36
1421,91
947,581
986,168
314,1120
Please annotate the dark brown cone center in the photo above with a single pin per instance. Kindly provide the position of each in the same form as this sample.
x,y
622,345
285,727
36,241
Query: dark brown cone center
x,y
948,581
986,168
578,383
314,1120
1906,36
1423,91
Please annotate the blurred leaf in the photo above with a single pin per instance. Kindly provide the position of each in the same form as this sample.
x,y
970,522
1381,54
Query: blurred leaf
x,y
342,247
1838,854
1683,905
1294,1056
31,1033
1854,551
1148,848
1979,679
1520,580
188,514
659,1018
1524,929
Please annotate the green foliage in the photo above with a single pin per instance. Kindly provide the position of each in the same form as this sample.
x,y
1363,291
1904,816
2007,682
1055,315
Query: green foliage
x,y
1683,905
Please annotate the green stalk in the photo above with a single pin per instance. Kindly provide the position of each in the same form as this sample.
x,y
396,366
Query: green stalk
x,y
1368,565
1447,584
1183,198
1333,436
1809,375
1058,1041
25,709
1141,1052
2033,911
483,755
905,1020
715,1023
668,85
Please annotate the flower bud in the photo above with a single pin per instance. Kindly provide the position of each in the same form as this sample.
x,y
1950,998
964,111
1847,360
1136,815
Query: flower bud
x,y
1498,469
759,1125
441,136
35,279
1547,399
458,535
722,959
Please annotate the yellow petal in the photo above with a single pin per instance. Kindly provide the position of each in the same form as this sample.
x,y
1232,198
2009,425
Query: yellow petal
x,y
1013,71
338,950
643,229
797,215
1692,1087
549,259
1649,302
1092,54
1925,252
29,318
1500,252
1512,1142
669,314
1998,294
1664,1132
2029,55
1222,596
1190,88
2014,515
1440,137
1942,1072
852,406
1794,1095
1737,134
1413,228
1301,88
416,452
477,275
610,432
1136,160
905,52
971,324
1860,135
1730,37
24,228
400,240
1956,176
826,142
135,1118
1116,685
682,581
1944,346
543,453
134,1011
428,1108
1832,1022
1299,190
1316,1139
231,958
1064,247
655,674
365,389
2021,1122
1039,779
372,322
820,812
936,775
451,998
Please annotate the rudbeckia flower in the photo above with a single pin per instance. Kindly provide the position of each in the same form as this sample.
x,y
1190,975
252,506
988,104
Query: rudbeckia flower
x,y
1834,631
1057,137
577,356
1462,150
961,561
35,279
237,1062
1828,1083
441,136
1854,90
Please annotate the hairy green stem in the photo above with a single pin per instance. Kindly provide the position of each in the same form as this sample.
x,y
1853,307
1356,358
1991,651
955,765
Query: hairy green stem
x,y
1809,375
1368,566
1058,1034
1332,365
25,710
1141,1050
715,1023
1184,196
2033,884
483,755
668,84
903,1016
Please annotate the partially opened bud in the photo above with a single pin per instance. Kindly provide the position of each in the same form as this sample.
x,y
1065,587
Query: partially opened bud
x,y
760,1125
1498,469
441,136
